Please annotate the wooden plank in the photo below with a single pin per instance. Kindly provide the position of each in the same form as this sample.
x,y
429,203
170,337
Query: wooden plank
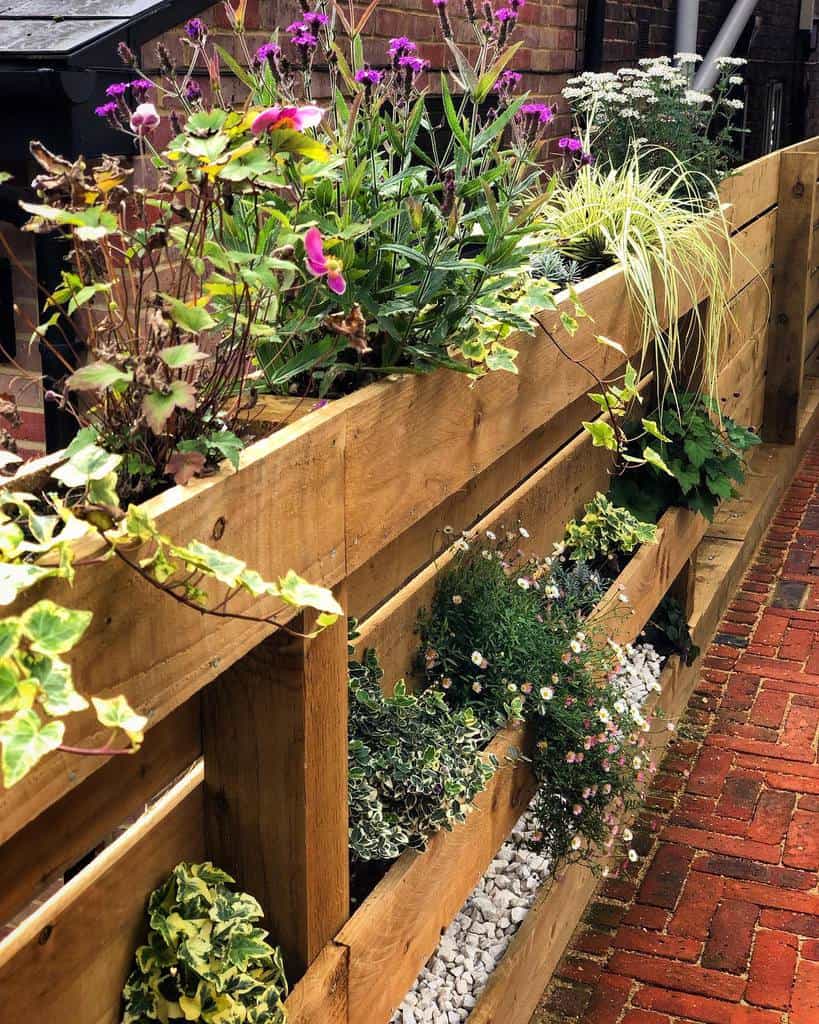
x,y
749,313
753,251
796,215
648,575
752,189
543,504
71,828
380,576
67,963
275,741
398,926
321,995
159,653
741,384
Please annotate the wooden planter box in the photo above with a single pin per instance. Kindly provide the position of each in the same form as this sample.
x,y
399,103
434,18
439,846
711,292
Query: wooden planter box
x,y
247,734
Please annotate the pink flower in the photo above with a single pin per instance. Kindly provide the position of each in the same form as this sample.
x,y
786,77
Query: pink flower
x,y
319,264
295,118
144,119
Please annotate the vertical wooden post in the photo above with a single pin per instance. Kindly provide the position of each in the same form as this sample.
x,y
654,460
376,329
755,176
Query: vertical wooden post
x,y
791,286
275,746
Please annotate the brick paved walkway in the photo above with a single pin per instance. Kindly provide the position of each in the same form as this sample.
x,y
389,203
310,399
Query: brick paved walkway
x,y
720,923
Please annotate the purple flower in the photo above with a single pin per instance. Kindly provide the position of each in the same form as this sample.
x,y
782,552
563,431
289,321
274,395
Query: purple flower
x,y
106,110
297,26
542,112
569,142
508,80
117,89
267,52
195,30
401,46
304,39
439,3
140,87
416,64
193,92
505,14
368,76
316,18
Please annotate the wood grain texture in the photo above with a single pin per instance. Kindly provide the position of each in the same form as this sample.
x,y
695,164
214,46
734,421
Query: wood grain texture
x,y
398,926
67,963
752,189
72,827
159,653
275,743
321,995
787,335
543,504
648,575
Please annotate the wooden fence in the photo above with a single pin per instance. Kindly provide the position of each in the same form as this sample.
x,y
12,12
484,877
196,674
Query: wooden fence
x,y
245,759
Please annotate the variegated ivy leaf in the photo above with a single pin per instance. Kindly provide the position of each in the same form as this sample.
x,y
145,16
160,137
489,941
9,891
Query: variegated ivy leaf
x,y
602,434
225,568
651,427
89,463
16,693
247,943
298,592
52,629
25,740
500,357
18,576
53,677
117,713
653,458
11,630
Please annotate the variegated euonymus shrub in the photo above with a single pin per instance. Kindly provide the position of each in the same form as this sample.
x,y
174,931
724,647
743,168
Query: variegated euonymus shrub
x,y
38,534
205,958
415,764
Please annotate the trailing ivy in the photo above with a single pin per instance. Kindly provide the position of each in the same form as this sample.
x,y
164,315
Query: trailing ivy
x,y
702,461
415,764
205,959
37,543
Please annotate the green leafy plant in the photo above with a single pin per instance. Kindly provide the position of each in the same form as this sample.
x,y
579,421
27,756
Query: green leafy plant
x,y
703,461
668,628
205,958
655,103
606,532
505,636
672,245
38,533
415,765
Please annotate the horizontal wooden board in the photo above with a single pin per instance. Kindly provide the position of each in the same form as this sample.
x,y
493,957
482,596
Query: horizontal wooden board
x,y
67,963
648,575
543,504
398,926
69,829
159,653
752,189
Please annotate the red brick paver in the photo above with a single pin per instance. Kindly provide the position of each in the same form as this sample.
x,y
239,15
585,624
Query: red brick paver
x,y
720,925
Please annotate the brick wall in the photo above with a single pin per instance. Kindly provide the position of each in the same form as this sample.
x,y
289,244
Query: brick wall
x,y
645,28
548,29
21,377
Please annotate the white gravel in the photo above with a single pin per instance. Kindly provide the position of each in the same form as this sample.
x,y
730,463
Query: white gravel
x,y
453,978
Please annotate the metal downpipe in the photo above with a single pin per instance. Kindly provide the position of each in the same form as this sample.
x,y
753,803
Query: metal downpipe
x,y
723,45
